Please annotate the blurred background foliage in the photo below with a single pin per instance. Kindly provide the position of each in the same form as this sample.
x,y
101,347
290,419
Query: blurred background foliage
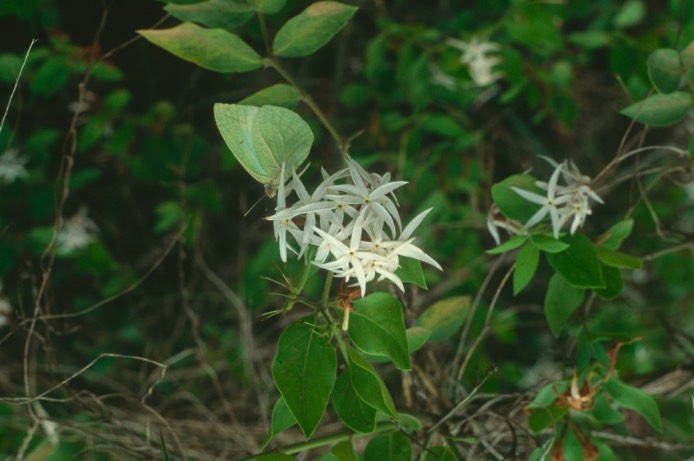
x,y
170,272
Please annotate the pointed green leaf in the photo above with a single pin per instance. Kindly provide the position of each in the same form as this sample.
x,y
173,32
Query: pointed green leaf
x,y
445,317
378,327
631,13
368,385
311,29
410,271
510,203
350,408
213,49
542,418
526,264
281,95
391,446
225,14
637,400
578,264
282,418
615,236
660,109
409,423
304,370
561,301
548,244
615,258
510,244
664,69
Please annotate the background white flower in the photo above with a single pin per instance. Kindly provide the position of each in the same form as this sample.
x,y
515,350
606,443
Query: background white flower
x,y
76,233
12,166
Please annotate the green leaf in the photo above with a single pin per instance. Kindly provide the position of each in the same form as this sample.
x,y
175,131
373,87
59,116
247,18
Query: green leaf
x,y
281,95
377,327
350,408
262,139
224,14
213,49
282,418
368,385
542,418
548,244
410,271
615,236
526,264
660,109
603,412
268,6
691,146
409,423
631,13
561,300
615,258
51,76
416,338
391,446
614,284
637,400
9,67
548,394
311,29
664,69
590,39
445,317
344,451
578,264
510,203
509,245
304,370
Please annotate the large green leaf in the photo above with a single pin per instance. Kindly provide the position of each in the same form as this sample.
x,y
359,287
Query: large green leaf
x,y
548,244
526,264
311,29
263,139
368,385
509,245
350,408
344,451
660,109
578,264
664,69
445,317
304,370
561,300
281,95
378,327
637,400
391,446
225,14
213,49
510,203
410,271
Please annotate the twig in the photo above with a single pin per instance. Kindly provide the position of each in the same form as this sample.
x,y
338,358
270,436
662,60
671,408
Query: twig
x,y
16,84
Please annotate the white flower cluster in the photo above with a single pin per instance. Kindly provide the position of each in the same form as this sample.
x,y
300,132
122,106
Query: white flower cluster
x,y
353,221
476,56
76,233
12,166
564,204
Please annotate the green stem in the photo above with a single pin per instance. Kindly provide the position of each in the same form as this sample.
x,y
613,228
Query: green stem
x,y
342,143
330,440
